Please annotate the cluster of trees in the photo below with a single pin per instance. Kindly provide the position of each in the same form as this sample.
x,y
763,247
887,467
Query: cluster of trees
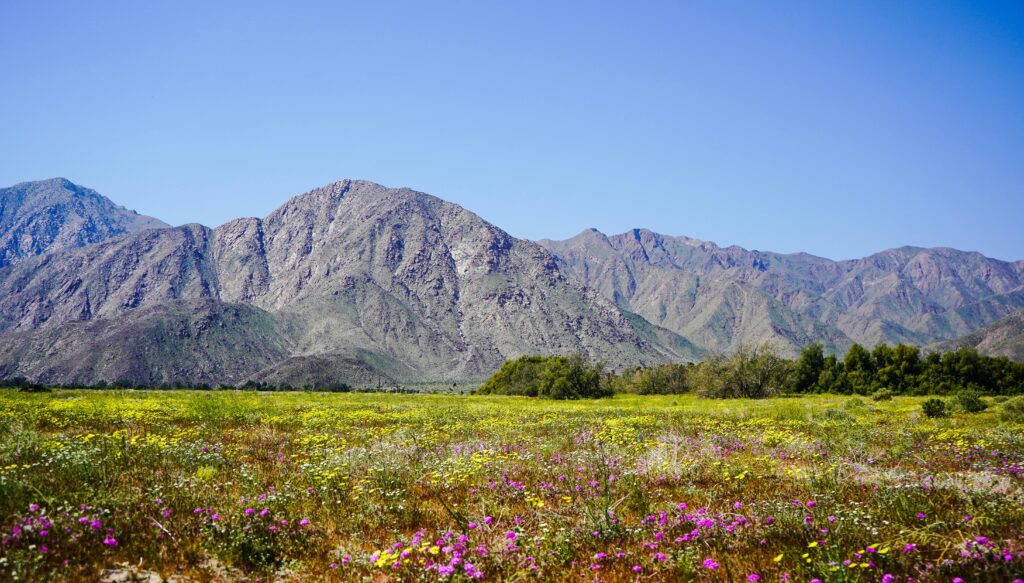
x,y
902,369
759,371
550,377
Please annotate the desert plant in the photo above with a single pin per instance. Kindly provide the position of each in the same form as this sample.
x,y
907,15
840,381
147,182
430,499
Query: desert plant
x,y
882,395
970,402
935,408
1013,410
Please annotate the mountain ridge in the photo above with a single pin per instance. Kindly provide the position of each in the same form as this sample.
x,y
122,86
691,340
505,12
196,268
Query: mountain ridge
x,y
391,278
355,282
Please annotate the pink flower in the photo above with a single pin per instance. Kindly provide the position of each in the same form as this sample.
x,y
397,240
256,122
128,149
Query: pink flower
x,y
33,507
811,504
250,511
304,522
753,577
110,541
510,535
215,517
709,564
637,568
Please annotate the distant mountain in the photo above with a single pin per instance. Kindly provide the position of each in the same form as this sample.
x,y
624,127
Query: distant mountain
x,y
375,281
56,215
722,297
1002,338
357,283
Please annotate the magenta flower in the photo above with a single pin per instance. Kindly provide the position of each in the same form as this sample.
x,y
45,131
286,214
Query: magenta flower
x,y
510,535
110,541
304,522
888,578
709,564
215,517
249,511
811,504
637,568
33,507
753,577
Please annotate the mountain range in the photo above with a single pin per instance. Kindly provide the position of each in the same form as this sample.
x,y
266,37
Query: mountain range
x,y
357,283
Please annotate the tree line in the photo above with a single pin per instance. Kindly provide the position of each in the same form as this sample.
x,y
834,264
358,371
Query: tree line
x,y
759,372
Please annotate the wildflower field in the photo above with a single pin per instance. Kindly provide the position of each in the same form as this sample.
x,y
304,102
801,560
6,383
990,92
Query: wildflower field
x,y
107,485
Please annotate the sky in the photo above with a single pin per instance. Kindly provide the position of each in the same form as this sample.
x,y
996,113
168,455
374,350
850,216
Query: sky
x,y
839,129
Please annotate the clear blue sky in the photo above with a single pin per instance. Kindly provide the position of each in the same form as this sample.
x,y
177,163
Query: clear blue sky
x,y
838,130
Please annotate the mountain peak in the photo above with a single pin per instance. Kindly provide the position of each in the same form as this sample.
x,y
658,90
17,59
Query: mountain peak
x,y
56,214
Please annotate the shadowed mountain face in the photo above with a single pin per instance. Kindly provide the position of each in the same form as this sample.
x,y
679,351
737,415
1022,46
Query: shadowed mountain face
x,y
56,215
721,297
358,283
1002,338
385,282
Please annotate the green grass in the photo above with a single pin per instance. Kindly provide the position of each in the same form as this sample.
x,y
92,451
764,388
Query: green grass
x,y
197,484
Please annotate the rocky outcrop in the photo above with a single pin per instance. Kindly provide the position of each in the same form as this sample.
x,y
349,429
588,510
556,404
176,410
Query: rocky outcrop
x,y
56,215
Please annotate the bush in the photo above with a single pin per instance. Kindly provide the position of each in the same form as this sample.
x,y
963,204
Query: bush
x,y
549,377
751,373
854,403
970,402
882,395
837,415
935,408
1013,410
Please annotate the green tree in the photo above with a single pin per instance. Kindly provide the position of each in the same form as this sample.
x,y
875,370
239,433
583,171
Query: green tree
x,y
808,368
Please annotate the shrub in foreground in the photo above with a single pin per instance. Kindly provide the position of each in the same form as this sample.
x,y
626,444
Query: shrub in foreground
x,y
935,408
1013,410
970,402
882,395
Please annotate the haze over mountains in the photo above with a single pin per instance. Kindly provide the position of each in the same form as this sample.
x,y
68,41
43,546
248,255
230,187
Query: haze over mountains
x,y
353,282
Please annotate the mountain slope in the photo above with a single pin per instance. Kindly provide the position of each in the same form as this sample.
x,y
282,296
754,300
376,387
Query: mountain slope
x,y
57,215
1003,338
721,297
392,282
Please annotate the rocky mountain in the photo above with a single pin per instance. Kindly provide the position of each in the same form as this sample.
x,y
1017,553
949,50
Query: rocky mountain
x,y
1002,338
720,297
56,215
354,282
351,280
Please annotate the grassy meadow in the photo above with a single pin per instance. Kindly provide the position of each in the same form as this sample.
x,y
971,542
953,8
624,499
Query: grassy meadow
x,y
107,485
